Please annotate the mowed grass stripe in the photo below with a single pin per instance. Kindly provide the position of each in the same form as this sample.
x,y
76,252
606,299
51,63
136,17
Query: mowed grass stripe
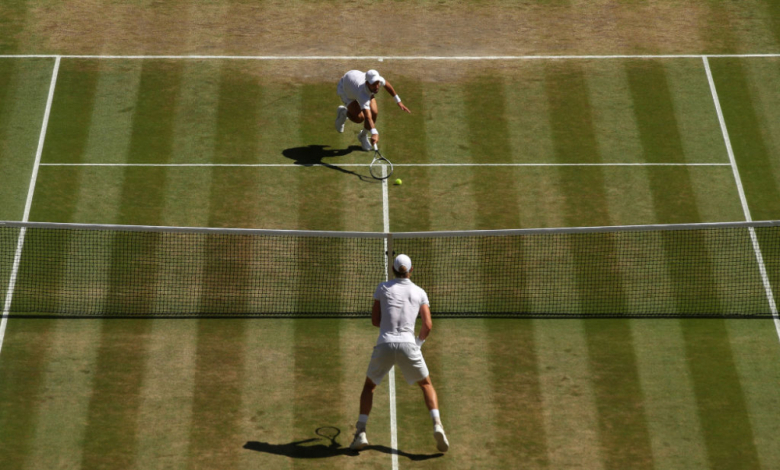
x,y
165,410
754,161
215,435
68,379
706,342
194,139
752,343
568,400
169,387
517,395
219,372
318,372
405,141
622,422
66,140
122,354
489,143
446,138
22,364
267,410
24,85
466,401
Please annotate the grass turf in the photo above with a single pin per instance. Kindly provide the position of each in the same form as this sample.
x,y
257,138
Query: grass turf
x,y
545,393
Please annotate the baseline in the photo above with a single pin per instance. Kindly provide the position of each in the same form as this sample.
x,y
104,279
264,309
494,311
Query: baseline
x,y
382,57
294,165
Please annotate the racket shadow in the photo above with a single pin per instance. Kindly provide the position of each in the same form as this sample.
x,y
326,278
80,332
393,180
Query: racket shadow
x,y
312,155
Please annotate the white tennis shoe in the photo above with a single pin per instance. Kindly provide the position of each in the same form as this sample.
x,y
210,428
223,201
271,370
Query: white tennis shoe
x,y
360,442
364,140
341,118
441,439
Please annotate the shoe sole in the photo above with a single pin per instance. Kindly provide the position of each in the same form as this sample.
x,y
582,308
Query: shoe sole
x,y
441,441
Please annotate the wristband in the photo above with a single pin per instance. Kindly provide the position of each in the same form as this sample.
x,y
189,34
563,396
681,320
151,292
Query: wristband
x,y
374,131
397,99
419,341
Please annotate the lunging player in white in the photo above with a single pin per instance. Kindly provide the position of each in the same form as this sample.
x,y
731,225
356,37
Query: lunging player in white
x,y
357,89
396,306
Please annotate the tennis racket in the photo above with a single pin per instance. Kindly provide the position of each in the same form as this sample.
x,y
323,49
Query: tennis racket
x,y
380,168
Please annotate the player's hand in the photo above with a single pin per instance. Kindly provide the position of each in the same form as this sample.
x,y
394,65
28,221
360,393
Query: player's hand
x,y
404,108
374,139
419,342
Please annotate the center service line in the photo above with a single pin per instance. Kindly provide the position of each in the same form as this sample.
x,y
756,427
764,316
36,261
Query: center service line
x,y
770,297
28,204
391,374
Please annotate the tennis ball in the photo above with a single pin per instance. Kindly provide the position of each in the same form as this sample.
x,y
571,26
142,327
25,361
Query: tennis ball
x,y
399,182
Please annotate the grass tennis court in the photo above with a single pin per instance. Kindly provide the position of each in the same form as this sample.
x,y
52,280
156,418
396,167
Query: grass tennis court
x,y
598,393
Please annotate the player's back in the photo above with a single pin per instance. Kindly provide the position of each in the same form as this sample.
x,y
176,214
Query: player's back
x,y
400,300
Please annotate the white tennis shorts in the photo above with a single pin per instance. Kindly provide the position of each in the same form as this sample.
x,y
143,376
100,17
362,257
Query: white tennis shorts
x,y
406,356
342,94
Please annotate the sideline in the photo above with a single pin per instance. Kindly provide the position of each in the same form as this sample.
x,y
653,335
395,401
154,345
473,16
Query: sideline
x,y
26,217
770,297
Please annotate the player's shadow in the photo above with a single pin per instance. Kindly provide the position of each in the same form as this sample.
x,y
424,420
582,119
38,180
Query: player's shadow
x,y
311,155
305,449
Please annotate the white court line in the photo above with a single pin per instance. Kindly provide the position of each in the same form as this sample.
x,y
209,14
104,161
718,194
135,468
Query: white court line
x,y
391,374
756,247
387,57
26,217
293,165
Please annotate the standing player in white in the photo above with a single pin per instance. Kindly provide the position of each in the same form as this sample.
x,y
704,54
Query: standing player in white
x,y
357,89
396,306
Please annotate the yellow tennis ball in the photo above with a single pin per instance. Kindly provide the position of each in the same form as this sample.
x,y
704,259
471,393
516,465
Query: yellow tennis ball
x,y
399,182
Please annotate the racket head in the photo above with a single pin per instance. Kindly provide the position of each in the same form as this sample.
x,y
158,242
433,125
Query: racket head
x,y
381,168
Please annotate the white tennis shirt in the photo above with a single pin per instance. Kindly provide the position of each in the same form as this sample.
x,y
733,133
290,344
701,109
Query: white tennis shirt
x,y
400,300
353,87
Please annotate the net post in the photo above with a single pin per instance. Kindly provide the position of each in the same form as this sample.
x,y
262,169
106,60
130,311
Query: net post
x,y
389,255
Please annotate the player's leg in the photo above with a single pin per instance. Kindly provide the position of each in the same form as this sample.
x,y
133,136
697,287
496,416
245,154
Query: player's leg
x,y
341,112
429,393
381,363
354,113
432,402
414,369
366,402
367,397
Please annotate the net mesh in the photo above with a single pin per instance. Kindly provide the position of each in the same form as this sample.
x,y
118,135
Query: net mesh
x,y
678,273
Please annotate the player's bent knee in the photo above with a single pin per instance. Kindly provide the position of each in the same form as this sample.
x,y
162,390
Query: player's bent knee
x,y
425,382
369,385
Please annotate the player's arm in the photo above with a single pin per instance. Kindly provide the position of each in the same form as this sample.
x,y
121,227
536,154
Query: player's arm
x,y
427,323
376,314
370,120
392,92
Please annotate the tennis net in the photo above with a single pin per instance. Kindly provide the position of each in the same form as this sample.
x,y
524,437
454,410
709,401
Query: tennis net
x,y
714,270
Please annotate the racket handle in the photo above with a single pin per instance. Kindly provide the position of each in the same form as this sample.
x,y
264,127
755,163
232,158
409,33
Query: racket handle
x,y
376,147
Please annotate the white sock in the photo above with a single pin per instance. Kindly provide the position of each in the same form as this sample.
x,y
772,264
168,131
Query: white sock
x,y
435,417
362,421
